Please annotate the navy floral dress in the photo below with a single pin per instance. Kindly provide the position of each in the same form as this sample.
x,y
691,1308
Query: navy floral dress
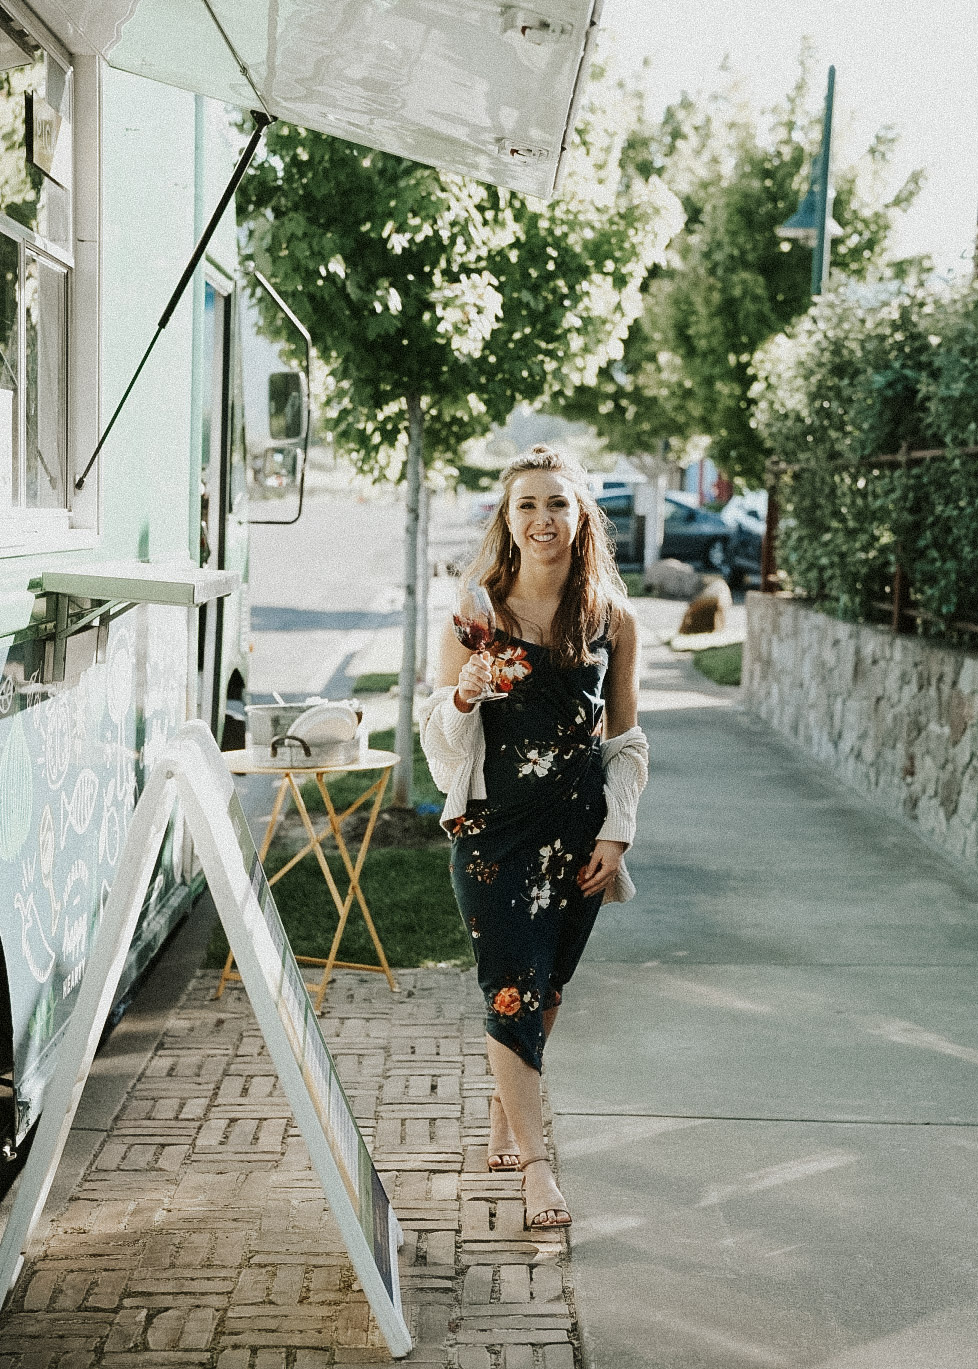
x,y
518,853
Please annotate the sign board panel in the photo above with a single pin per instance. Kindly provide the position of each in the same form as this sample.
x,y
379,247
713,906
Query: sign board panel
x,y
193,770
265,940
46,148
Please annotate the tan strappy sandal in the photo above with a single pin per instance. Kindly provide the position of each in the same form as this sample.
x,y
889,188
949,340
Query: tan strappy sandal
x,y
562,1216
506,1160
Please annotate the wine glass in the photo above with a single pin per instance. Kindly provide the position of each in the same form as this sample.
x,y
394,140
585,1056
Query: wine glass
x,y
475,626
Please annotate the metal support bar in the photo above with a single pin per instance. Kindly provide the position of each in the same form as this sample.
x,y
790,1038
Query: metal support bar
x,y
823,242
262,120
63,625
901,597
56,648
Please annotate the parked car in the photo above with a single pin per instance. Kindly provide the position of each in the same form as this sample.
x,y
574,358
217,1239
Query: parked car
x,y
619,505
695,535
746,516
691,534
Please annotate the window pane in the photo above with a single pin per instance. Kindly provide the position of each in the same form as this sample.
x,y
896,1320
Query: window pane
x,y
46,317
39,201
9,463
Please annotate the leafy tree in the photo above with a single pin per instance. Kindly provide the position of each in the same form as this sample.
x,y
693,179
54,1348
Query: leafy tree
x,y
730,283
437,303
20,180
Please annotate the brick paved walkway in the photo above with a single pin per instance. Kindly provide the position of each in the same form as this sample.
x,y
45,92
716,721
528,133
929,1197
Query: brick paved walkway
x,y
199,1235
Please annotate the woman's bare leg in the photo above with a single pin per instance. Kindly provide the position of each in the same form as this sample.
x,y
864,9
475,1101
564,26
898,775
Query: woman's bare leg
x,y
519,1087
503,1152
503,1147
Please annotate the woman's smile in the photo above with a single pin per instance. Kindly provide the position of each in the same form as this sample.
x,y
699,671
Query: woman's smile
x,y
543,513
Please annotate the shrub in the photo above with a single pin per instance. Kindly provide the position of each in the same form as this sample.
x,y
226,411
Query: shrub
x,y
864,374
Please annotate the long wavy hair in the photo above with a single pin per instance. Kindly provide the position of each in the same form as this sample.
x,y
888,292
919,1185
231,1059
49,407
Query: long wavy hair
x,y
594,589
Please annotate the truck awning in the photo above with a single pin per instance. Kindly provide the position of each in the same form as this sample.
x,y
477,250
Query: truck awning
x,y
482,89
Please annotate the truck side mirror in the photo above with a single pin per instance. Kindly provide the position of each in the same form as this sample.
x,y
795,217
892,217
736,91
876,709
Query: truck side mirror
x,y
276,350
286,406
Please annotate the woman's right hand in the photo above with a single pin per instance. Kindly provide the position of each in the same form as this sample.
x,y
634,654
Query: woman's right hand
x,y
473,679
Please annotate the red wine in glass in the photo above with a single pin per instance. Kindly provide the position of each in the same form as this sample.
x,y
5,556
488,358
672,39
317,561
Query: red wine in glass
x,y
475,636
475,625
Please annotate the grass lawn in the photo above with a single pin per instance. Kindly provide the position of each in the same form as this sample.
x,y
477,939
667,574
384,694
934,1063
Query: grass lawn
x,y
721,664
408,894
374,683
634,583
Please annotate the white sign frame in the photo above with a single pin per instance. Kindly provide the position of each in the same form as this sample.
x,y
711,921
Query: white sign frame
x,y
193,771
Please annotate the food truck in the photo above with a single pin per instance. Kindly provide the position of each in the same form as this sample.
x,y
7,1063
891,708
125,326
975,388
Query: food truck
x,y
146,417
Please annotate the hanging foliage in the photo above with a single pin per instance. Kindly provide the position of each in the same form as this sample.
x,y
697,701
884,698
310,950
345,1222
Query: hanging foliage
x,y
866,373
438,303
729,282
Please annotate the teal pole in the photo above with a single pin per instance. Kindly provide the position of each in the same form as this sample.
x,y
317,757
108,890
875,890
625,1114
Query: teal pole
x,y
823,242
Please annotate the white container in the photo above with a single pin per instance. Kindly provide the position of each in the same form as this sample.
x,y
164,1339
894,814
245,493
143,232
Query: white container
x,y
317,732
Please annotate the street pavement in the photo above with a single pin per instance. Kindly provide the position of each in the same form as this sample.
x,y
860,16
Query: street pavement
x,y
326,596
764,1072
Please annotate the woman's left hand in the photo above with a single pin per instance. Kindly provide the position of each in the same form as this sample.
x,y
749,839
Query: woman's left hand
x,y
601,869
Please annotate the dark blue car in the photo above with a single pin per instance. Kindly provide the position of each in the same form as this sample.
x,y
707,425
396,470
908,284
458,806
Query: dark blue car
x,y
691,534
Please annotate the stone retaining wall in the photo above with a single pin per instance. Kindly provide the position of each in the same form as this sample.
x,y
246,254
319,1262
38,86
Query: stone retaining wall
x,y
891,715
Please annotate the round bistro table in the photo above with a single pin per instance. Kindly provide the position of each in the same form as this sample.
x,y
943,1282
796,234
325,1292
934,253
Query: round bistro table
x,y
291,775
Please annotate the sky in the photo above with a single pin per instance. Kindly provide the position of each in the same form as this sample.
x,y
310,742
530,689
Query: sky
x,y
912,64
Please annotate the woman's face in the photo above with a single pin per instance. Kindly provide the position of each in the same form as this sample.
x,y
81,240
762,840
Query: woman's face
x,y
543,515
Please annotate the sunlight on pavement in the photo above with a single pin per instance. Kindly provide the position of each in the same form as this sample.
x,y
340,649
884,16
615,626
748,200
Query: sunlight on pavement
x,y
627,1130
671,700
947,1340
738,1350
909,1034
688,990
776,1175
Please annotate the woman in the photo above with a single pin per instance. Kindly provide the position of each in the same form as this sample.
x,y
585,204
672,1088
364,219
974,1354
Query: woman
x,y
539,810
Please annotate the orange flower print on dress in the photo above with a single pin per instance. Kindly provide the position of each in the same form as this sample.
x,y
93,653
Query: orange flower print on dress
x,y
468,825
483,870
510,665
507,1002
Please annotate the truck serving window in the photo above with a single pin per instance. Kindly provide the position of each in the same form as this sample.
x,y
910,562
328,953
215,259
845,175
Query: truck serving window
x,y
35,262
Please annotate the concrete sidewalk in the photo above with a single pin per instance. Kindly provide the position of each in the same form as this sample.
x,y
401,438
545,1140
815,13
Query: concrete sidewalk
x,y
763,1085
764,1073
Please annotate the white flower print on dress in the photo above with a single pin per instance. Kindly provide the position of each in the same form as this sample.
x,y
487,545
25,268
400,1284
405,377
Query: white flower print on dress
x,y
539,896
536,762
554,860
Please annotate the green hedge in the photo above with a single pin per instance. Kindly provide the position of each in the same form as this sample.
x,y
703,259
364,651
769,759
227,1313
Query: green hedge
x,y
867,371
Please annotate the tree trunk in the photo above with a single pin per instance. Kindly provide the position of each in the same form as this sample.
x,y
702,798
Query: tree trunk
x,y
424,576
650,499
404,737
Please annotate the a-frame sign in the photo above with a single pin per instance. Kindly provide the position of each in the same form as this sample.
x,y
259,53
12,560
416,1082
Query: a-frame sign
x,y
193,772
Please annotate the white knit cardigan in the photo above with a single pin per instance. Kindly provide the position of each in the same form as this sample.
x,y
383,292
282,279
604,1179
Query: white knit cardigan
x,y
455,747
